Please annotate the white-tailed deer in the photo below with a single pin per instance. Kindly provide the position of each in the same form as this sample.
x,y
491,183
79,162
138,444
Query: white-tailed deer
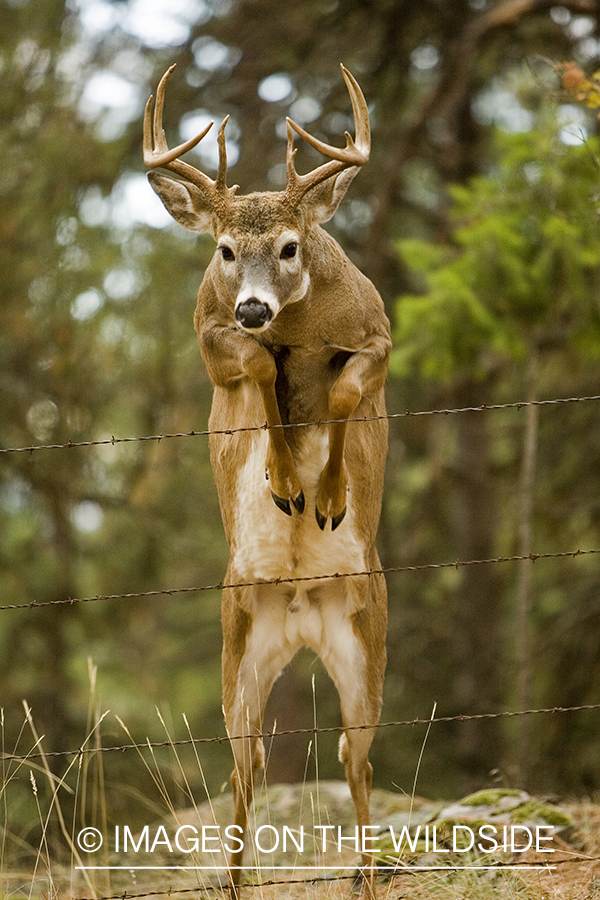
x,y
291,332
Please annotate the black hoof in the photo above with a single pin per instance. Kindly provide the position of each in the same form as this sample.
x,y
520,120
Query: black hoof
x,y
337,520
284,505
321,519
299,502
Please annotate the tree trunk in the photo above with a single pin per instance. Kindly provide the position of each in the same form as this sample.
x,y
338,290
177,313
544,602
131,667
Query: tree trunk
x,y
524,571
477,684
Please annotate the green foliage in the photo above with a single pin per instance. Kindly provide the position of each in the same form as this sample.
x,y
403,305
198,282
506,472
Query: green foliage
x,y
523,268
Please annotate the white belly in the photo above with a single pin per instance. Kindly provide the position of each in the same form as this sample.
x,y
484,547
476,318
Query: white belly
x,y
268,544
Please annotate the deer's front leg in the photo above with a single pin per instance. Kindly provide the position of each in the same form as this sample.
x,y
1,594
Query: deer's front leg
x,y
333,483
229,355
364,373
280,468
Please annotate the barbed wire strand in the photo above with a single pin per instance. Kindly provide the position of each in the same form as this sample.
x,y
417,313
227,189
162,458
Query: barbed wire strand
x,y
223,586
315,729
388,871
111,441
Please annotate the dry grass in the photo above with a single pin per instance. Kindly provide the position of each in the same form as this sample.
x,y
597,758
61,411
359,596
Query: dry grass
x,y
575,875
27,872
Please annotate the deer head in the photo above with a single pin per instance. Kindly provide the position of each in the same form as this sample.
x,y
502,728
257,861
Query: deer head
x,y
263,238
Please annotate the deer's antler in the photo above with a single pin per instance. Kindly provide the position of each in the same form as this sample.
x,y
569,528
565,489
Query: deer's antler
x,y
355,153
158,155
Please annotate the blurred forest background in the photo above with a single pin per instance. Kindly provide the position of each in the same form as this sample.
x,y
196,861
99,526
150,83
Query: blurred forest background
x,y
477,218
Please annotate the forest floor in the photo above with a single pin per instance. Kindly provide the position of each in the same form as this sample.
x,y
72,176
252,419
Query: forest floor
x,y
493,844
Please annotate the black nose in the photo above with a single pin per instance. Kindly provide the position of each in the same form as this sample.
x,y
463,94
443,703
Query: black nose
x,y
252,313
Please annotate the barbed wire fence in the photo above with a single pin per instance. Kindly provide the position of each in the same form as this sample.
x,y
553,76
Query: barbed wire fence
x,y
112,441
220,586
83,750
390,871
517,404
315,730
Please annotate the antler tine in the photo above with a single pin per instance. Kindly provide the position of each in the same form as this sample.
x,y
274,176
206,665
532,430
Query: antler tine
x,y
156,149
290,153
221,181
355,153
360,111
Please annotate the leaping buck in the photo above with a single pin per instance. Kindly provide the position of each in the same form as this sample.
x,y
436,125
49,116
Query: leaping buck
x,y
291,333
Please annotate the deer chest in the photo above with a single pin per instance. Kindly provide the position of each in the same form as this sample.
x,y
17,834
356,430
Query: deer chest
x,y
304,379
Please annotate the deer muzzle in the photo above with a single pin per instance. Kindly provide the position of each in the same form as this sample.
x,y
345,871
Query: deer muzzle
x,y
253,314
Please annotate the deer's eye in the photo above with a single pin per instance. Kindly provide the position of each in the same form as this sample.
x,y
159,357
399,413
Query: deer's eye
x,y
227,253
289,251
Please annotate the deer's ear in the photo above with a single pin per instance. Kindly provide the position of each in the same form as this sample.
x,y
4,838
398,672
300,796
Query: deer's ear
x,y
321,202
185,202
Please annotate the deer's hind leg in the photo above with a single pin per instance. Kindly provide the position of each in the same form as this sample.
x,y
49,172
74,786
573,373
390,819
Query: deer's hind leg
x,y
255,649
355,658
